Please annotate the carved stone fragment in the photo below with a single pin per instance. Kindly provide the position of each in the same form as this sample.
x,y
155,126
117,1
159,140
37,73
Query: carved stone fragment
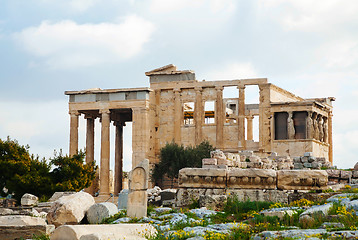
x,y
302,179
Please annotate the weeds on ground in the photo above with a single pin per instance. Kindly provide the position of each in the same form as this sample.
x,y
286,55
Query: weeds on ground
x,y
114,217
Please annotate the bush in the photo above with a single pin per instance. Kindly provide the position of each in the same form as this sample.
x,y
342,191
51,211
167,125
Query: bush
x,y
174,157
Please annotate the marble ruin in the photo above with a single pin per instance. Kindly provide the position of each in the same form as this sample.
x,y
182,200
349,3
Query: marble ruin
x,y
177,107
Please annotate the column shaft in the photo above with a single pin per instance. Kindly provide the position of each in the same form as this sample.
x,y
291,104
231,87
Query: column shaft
x,y
177,116
330,139
290,126
241,118
309,123
105,152
118,172
219,115
73,132
250,132
198,117
90,147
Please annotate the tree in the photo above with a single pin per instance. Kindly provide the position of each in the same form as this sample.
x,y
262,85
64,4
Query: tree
x,y
174,157
22,173
71,174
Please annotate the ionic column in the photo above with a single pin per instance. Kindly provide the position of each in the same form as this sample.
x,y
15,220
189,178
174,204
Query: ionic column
x,y
250,133
219,115
177,116
241,118
73,132
290,126
198,115
330,139
90,146
105,152
118,167
309,124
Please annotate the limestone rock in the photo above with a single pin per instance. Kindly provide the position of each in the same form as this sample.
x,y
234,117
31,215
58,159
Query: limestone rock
x,y
107,232
70,209
29,200
209,161
99,211
302,179
58,195
212,201
346,174
21,220
6,211
24,231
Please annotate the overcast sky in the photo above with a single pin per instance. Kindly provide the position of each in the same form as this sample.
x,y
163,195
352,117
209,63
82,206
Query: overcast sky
x,y
48,46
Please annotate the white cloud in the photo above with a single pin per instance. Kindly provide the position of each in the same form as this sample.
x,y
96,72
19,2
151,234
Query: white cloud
x,y
67,44
233,71
82,5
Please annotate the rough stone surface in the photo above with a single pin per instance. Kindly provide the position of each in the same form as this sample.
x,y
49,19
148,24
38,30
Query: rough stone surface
x,y
99,211
302,179
70,209
318,209
21,220
58,195
24,231
6,211
108,232
209,161
29,200
212,201
259,195
123,199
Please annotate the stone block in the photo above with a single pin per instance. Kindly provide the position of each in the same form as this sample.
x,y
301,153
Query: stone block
x,y
58,195
316,165
123,199
186,196
107,231
218,154
137,204
311,159
212,201
216,166
251,179
168,194
307,165
269,195
202,178
355,167
346,174
224,162
297,159
298,165
70,209
304,159
99,211
28,200
209,161
302,179
16,220
24,231
333,173
308,154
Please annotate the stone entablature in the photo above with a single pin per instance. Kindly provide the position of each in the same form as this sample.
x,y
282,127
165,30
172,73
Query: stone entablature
x,y
253,179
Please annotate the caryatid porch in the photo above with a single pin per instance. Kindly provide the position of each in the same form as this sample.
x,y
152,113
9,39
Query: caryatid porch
x,y
118,106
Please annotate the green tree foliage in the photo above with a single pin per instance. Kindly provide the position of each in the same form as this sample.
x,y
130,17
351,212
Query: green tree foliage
x,y
174,157
22,173
71,174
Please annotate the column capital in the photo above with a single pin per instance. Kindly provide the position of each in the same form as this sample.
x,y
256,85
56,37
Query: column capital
x,y
119,123
198,89
104,111
219,88
74,112
241,87
89,116
249,117
176,90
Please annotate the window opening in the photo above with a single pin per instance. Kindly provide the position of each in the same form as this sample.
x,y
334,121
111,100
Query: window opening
x,y
188,109
281,125
299,121
209,112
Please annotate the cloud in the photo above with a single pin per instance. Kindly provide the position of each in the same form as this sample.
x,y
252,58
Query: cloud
x,y
67,44
82,5
233,71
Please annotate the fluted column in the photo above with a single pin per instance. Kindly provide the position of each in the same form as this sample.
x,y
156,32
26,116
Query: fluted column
x,y
241,118
73,132
290,126
199,116
118,167
250,132
90,146
219,115
309,124
177,116
105,152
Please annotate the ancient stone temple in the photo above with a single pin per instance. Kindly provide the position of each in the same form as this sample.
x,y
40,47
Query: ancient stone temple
x,y
176,107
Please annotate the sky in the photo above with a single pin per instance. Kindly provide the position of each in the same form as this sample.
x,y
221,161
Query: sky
x,y
49,46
